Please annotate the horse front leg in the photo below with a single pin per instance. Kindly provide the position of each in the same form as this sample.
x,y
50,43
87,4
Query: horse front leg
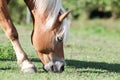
x,y
11,33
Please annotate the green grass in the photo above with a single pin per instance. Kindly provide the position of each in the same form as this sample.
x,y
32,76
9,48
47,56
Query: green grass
x,y
92,53
6,51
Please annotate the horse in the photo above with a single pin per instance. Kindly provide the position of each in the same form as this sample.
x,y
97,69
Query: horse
x,y
50,29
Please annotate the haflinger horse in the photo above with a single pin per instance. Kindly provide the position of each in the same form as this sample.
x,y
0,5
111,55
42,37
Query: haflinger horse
x,y
49,32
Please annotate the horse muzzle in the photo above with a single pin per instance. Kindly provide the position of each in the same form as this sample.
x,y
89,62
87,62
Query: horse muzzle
x,y
56,67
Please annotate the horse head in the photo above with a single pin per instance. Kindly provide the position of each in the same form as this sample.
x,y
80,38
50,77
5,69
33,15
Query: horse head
x,y
48,43
50,30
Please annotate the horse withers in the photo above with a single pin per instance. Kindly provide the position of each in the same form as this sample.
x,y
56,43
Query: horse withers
x,y
49,32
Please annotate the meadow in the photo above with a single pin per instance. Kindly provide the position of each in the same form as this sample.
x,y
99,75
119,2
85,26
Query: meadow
x,y
92,52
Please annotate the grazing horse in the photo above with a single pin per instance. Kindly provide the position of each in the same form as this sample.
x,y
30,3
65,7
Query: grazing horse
x,y
49,32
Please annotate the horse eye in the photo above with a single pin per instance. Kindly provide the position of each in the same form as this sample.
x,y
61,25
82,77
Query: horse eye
x,y
59,39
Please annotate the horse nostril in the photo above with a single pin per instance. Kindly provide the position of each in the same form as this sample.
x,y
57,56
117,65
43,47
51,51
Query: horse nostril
x,y
62,68
52,68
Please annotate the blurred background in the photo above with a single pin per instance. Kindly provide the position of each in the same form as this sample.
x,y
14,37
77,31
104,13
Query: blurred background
x,y
81,9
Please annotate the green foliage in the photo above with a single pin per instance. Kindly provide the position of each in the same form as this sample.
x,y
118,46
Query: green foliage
x,y
73,5
86,6
17,9
7,52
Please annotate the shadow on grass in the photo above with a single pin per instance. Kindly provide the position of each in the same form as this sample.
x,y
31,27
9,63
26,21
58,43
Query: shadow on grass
x,y
8,68
94,65
31,59
5,59
110,67
35,60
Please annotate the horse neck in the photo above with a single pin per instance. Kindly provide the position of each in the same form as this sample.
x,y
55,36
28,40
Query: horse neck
x,y
48,10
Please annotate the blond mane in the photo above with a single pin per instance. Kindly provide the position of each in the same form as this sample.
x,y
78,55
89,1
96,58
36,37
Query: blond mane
x,y
51,9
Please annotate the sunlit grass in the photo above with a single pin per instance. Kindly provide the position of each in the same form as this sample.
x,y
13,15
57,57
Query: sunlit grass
x,y
91,53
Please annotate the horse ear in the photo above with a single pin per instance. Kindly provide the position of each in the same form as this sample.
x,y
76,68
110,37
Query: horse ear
x,y
63,16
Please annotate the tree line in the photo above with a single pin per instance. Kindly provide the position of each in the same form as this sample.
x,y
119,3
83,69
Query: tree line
x,y
94,8
90,8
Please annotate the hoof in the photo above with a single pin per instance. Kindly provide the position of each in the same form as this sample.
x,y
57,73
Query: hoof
x,y
27,67
29,70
